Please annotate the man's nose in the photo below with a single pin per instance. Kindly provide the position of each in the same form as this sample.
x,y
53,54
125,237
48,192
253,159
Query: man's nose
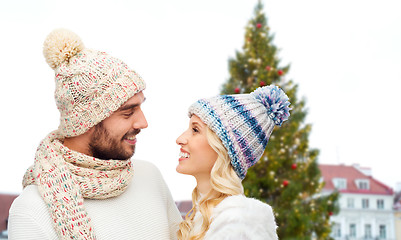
x,y
140,121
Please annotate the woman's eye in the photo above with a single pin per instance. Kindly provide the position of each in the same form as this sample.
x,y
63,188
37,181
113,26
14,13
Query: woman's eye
x,y
195,130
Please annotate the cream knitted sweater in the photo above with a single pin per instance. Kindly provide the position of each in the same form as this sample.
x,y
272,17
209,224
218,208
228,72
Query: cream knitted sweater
x,y
145,210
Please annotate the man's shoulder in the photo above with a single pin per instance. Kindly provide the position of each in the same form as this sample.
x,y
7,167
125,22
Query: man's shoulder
x,y
145,170
142,165
28,200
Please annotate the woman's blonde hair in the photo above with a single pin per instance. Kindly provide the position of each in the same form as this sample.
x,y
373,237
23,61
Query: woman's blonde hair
x,y
224,182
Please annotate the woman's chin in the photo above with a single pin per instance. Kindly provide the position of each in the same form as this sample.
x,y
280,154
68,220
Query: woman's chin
x,y
180,170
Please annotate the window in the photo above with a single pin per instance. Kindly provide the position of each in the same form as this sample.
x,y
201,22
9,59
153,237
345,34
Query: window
x,y
382,231
352,230
336,230
362,184
368,231
350,202
365,203
380,204
340,183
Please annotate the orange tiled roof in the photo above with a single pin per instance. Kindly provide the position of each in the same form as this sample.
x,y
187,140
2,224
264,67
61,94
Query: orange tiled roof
x,y
351,173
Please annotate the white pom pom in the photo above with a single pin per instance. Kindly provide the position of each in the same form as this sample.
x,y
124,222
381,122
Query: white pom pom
x,y
60,45
276,102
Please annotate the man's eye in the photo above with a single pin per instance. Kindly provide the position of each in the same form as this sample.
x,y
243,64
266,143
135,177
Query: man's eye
x,y
128,114
195,130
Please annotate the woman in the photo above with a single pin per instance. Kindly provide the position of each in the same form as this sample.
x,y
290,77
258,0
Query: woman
x,y
227,135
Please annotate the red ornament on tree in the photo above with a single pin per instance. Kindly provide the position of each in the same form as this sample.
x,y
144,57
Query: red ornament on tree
x,y
330,213
280,72
285,183
262,83
294,166
236,90
268,68
258,25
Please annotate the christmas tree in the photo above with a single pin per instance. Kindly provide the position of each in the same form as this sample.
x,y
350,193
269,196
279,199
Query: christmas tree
x,y
287,177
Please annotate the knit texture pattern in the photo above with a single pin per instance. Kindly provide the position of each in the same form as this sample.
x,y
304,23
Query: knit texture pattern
x,y
90,84
65,177
244,122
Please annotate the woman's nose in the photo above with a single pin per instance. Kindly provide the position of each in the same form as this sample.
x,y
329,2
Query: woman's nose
x,y
181,140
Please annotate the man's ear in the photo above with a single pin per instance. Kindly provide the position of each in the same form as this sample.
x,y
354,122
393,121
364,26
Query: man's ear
x,y
81,142
88,134
91,130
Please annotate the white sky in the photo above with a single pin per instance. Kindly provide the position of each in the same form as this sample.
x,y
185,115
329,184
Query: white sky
x,y
345,56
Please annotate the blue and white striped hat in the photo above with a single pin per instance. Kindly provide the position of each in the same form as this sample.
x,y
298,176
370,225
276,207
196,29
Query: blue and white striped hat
x,y
244,122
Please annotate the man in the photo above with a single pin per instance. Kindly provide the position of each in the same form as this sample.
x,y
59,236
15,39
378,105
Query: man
x,y
82,184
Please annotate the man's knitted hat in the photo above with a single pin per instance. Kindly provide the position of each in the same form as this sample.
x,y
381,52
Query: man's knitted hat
x,y
90,85
244,122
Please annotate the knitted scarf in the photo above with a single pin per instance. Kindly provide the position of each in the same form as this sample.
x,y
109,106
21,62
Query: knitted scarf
x,y
65,177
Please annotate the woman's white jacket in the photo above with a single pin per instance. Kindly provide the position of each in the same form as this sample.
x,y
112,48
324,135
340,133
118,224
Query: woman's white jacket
x,y
241,218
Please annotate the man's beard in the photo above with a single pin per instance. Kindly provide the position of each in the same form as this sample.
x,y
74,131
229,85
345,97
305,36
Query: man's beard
x,y
104,147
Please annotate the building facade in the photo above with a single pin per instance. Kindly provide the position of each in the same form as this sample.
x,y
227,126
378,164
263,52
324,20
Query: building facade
x,y
5,203
366,205
397,215
184,207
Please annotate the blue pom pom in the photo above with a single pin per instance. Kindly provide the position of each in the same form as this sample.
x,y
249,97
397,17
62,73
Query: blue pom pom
x,y
276,102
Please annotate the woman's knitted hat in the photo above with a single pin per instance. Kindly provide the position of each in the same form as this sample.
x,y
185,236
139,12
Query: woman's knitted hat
x,y
244,122
90,85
